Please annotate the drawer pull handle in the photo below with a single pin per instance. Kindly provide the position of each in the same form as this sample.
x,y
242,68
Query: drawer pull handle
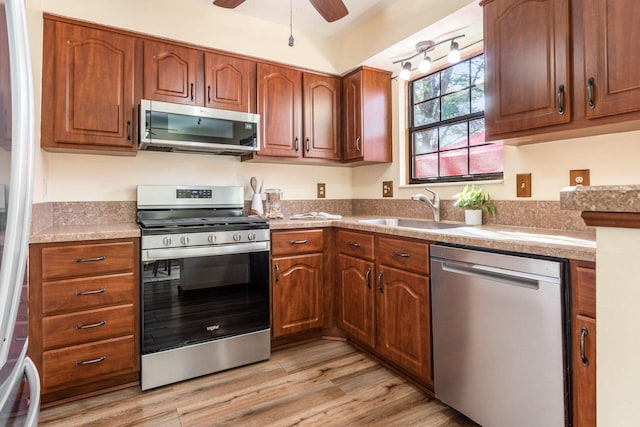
x,y
98,258
92,325
97,291
298,242
401,254
583,335
92,361
354,244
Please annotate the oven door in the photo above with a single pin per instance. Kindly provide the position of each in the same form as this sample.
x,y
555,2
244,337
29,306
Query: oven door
x,y
193,295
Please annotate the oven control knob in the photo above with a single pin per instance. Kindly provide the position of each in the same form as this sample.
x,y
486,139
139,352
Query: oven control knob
x,y
211,238
184,240
166,241
237,237
251,236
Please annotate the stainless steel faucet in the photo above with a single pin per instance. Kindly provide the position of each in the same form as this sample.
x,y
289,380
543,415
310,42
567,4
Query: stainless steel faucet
x,y
434,203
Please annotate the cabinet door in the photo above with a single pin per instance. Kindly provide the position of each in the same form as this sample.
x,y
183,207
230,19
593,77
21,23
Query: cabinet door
x,y
172,73
352,120
355,298
297,294
584,372
93,88
321,117
611,69
526,64
404,325
280,109
230,83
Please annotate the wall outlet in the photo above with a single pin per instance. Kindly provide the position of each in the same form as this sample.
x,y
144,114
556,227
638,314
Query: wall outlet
x,y
579,177
321,190
387,188
523,185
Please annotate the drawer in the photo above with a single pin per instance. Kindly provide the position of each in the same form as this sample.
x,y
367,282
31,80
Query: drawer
x,y
403,254
585,291
84,363
87,292
296,242
359,245
59,262
86,326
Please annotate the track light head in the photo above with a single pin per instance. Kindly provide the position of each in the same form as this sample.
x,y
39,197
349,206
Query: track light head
x,y
405,74
454,53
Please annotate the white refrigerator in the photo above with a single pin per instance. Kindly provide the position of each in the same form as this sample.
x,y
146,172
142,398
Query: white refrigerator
x,y
19,381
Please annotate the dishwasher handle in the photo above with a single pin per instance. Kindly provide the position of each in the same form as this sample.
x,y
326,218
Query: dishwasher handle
x,y
508,277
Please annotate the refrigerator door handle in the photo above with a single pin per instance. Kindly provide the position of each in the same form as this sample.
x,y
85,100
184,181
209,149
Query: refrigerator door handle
x,y
33,379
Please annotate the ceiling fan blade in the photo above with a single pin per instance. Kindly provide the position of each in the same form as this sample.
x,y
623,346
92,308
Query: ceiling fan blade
x,y
229,4
331,10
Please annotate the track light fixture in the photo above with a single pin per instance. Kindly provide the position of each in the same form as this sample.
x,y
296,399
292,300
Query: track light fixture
x,y
423,48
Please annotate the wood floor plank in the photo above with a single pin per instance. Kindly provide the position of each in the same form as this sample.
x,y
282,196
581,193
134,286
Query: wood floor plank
x,y
324,383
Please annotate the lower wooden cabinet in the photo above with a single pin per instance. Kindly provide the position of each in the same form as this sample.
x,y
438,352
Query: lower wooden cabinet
x,y
383,299
297,281
583,319
83,319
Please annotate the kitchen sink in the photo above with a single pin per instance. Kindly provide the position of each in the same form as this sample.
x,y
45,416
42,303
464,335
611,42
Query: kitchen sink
x,y
411,223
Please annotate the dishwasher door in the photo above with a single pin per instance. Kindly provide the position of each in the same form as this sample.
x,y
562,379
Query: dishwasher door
x,y
498,337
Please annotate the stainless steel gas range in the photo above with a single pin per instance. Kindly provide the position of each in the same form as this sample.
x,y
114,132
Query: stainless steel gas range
x,y
205,282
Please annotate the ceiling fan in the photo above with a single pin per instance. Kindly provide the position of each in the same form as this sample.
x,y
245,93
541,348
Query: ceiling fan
x,y
331,10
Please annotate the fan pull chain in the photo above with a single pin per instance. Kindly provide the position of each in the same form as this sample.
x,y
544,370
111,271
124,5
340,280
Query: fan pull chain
x,y
291,23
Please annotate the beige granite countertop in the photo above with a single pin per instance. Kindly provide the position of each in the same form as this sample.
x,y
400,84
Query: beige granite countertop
x,y
556,243
70,233
602,198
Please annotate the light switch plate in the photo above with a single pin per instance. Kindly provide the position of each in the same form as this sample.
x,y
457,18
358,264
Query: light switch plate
x,y
579,177
387,188
523,185
321,190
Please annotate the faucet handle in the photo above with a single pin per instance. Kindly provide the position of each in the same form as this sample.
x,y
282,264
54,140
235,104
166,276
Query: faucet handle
x,y
436,196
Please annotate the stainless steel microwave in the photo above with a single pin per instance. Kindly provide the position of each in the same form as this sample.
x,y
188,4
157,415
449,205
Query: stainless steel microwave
x,y
165,126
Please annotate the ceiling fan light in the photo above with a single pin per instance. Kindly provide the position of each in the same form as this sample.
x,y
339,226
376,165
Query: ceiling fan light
x,y
454,53
405,74
425,65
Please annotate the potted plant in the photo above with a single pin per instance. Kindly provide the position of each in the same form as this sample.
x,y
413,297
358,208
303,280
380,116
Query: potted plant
x,y
474,201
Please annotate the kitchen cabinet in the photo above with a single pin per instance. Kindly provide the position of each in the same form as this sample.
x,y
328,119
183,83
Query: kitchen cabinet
x,y
383,298
173,73
297,281
185,75
83,317
299,112
583,312
554,69
366,122
89,98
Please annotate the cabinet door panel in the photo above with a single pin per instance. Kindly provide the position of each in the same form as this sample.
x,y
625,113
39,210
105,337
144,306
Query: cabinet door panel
x,y
280,109
404,325
297,294
94,95
355,298
526,57
230,83
584,374
321,117
609,26
172,73
352,121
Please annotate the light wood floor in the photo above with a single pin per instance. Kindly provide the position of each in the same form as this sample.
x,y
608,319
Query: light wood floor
x,y
326,383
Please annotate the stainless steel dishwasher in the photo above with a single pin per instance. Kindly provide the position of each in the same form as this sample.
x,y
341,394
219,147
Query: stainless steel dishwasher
x,y
498,326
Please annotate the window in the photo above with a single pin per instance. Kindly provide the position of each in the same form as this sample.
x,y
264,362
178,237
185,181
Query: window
x,y
447,127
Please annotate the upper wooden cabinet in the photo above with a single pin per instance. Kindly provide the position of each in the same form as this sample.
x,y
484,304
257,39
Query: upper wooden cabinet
x,y
88,100
173,73
299,113
527,64
366,118
557,69
230,83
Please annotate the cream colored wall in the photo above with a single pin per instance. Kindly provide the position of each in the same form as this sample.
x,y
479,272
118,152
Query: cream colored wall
x,y
617,325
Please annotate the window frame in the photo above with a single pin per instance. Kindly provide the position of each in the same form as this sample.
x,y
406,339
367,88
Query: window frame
x,y
435,125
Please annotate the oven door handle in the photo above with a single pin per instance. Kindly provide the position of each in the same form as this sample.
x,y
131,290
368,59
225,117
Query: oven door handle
x,y
177,253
